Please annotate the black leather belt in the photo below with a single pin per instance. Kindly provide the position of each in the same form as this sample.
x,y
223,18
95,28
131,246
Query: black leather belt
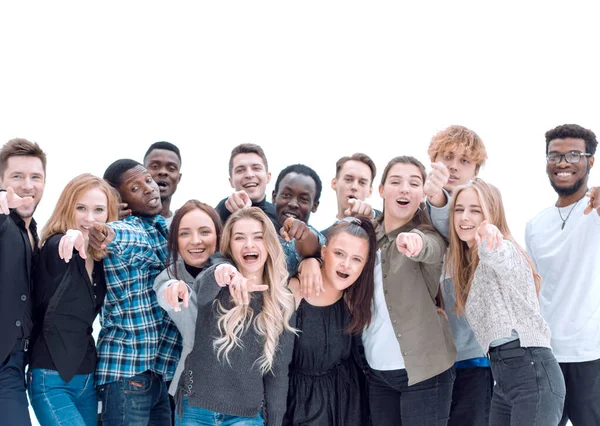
x,y
508,350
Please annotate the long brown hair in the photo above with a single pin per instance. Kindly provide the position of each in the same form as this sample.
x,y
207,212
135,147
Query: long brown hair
x,y
421,219
173,241
359,295
461,262
63,216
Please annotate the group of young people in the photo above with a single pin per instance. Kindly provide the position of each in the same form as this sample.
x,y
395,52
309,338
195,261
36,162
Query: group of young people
x,y
425,313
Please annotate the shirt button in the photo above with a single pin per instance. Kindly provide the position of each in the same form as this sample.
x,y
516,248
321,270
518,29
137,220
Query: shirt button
x,y
94,296
389,307
404,353
94,284
384,275
399,335
18,323
383,261
394,321
384,291
23,297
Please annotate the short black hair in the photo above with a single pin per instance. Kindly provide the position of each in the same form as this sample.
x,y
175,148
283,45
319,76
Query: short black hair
x,y
163,145
574,131
301,169
115,171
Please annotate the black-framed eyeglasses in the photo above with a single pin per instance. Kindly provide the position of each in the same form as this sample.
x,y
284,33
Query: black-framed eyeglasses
x,y
571,157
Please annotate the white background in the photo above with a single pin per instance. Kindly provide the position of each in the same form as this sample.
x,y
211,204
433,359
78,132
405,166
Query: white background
x,y
309,81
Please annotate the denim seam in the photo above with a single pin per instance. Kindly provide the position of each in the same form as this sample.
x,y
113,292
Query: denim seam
x,y
46,400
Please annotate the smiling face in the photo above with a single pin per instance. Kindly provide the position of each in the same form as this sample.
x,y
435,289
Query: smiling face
x,y
353,182
344,258
25,174
402,194
468,214
565,178
462,169
295,197
164,166
247,247
140,192
196,238
248,173
90,207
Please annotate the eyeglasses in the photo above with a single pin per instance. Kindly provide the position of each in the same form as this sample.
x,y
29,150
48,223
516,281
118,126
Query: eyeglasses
x,y
571,157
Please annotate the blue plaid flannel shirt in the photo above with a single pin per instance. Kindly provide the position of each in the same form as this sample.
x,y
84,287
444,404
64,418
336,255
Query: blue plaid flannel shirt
x,y
136,335
292,257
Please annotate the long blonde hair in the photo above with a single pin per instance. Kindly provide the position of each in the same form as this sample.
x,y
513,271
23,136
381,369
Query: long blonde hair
x,y
462,262
278,301
63,216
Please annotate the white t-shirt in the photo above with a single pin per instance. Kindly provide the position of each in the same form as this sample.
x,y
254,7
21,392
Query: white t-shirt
x,y
382,348
569,262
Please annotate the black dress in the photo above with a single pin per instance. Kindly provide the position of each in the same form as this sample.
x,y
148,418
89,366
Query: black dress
x,y
326,385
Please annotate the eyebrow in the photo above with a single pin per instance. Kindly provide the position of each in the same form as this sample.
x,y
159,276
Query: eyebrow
x,y
410,177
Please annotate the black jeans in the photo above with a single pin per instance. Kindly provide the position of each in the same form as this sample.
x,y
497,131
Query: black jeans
x,y
393,402
529,389
13,398
471,397
582,403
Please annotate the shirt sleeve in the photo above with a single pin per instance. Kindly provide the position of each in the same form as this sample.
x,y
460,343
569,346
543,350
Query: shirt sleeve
x,y
440,216
502,260
131,244
276,381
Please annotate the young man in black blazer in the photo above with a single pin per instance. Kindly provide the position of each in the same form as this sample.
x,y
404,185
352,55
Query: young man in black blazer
x,y
22,180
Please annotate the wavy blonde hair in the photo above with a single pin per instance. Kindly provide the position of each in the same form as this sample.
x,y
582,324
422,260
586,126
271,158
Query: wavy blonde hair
x,y
278,302
63,216
462,262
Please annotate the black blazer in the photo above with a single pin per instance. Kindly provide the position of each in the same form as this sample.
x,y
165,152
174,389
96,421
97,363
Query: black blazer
x,y
66,303
15,280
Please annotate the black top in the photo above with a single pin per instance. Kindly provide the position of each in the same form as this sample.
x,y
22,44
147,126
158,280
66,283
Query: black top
x,y
66,303
327,386
264,205
16,263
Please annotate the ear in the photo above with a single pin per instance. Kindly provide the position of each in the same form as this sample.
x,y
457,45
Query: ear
x,y
268,177
370,191
315,207
179,180
334,183
323,252
231,183
381,191
477,168
273,197
591,161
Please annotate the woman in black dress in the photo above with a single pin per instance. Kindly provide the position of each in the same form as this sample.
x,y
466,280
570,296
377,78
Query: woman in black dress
x,y
326,381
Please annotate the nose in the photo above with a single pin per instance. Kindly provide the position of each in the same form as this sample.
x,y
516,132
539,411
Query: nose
x,y
27,183
346,263
249,242
454,164
293,203
196,239
162,171
90,215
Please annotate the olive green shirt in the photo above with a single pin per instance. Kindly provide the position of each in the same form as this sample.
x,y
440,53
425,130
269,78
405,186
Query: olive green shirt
x,y
410,285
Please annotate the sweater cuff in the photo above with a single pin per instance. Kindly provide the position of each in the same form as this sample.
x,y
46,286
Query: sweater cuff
x,y
274,418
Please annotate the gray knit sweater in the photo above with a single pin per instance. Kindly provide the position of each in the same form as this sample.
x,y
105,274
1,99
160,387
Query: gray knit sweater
x,y
236,388
503,298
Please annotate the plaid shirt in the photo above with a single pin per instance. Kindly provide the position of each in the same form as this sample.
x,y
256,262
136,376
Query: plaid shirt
x,y
137,335
292,257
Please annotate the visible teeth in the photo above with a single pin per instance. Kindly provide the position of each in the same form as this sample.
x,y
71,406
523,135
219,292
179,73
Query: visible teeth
x,y
291,215
252,256
466,227
197,251
564,174
250,185
163,184
402,201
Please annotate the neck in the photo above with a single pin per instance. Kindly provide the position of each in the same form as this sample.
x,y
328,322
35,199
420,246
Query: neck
x,y
340,214
329,297
27,221
166,208
390,223
567,200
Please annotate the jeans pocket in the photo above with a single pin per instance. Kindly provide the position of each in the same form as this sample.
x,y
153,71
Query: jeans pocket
x,y
555,377
137,384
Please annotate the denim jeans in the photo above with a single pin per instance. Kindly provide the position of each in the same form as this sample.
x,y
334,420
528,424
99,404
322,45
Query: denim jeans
x,y
135,401
582,403
529,389
59,403
199,416
13,397
471,397
393,402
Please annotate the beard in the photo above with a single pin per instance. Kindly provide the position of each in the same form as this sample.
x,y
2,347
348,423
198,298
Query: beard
x,y
570,190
